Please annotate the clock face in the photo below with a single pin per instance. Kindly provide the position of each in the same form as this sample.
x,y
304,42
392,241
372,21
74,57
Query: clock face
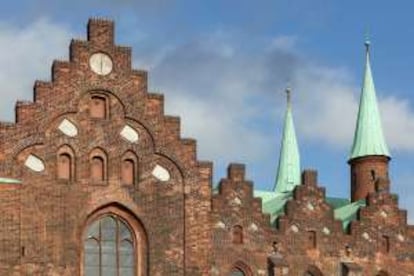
x,y
100,63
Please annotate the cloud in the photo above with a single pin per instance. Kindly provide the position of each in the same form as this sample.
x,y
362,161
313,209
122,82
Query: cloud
x,y
283,42
231,100
210,88
213,81
27,55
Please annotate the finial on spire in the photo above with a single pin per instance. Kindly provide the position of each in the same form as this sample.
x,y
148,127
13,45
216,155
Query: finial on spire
x,y
367,40
288,93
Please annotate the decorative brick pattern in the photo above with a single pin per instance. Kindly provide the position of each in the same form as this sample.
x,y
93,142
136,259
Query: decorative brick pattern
x,y
186,228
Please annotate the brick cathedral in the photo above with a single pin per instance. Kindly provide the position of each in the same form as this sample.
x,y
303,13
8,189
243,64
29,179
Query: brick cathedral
x,y
96,180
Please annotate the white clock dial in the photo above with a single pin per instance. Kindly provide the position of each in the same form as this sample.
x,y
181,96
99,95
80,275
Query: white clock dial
x,y
100,63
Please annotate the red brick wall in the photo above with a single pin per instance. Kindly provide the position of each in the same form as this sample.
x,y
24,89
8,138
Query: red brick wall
x,y
46,216
185,228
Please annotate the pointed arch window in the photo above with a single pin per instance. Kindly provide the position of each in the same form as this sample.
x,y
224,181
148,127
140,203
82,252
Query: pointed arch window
x,y
109,248
237,272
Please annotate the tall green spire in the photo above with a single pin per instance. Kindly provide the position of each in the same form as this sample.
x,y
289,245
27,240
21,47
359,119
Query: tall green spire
x,y
368,138
288,173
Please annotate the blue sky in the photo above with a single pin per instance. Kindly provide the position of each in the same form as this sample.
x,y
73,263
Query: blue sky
x,y
223,66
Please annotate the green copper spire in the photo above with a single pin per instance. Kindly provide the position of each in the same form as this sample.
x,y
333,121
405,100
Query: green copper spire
x,y
288,174
368,138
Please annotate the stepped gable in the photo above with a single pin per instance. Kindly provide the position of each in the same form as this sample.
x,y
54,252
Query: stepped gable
x,y
381,232
238,225
381,225
101,109
308,227
95,151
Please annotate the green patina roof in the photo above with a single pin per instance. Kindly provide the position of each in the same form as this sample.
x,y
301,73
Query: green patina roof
x,y
369,137
9,180
273,203
337,202
348,213
288,173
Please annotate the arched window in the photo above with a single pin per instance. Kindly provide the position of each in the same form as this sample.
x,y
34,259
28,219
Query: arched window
x,y
237,272
128,171
109,248
65,163
98,107
64,166
237,234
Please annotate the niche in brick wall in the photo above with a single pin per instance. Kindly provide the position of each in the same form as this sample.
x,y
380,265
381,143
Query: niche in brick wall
x,y
237,234
98,165
65,163
129,168
385,244
311,239
98,107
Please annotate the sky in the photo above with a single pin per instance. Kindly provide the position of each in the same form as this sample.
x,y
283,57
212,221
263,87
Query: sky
x,y
223,67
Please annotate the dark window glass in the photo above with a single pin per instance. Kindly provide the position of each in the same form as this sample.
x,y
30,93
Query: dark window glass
x,y
237,272
109,248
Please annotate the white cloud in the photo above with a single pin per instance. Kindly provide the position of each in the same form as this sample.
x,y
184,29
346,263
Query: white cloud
x,y
398,120
27,55
283,42
328,109
328,105
230,90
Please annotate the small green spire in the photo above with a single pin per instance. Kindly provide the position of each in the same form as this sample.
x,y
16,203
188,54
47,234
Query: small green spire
x,y
288,173
369,137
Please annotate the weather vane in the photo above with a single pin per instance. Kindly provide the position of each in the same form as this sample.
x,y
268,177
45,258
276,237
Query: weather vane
x,y
367,38
288,93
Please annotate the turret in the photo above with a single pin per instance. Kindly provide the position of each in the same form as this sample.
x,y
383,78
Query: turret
x,y
369,155
288,173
